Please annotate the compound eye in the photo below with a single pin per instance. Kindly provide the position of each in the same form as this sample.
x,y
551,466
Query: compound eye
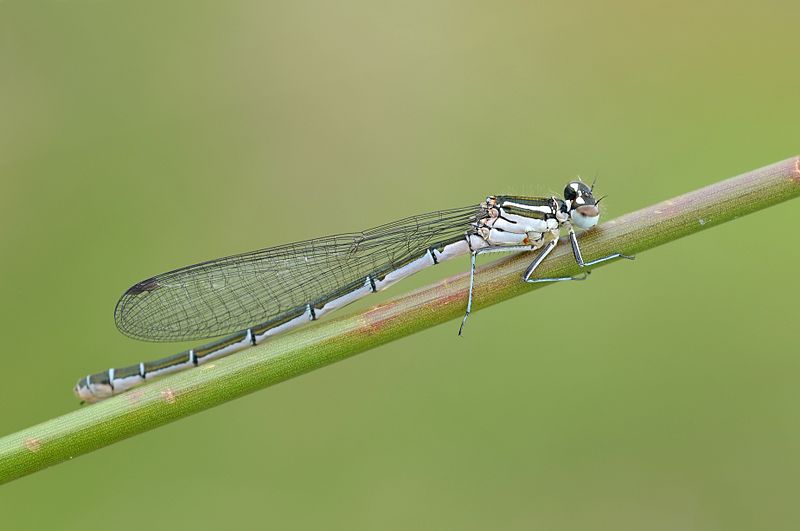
x,y
571,191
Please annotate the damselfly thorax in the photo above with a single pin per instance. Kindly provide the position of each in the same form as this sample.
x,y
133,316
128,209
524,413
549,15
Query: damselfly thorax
x,y
516,221
252,296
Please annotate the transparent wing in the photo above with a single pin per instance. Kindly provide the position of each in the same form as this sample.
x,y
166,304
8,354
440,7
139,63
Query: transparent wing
x,y
230,294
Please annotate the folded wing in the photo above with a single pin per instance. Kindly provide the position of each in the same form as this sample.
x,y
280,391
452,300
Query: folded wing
x,y
229,294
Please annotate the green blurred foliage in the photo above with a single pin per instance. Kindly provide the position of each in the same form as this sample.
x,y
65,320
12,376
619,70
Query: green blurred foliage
x,y
136,137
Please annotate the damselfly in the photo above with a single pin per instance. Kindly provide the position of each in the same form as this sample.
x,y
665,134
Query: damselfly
x,y
259,294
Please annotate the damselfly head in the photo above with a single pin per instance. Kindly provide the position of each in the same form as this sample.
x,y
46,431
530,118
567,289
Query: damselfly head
x,y
583,209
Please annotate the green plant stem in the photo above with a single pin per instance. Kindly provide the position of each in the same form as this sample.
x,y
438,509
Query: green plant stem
x,y
182,394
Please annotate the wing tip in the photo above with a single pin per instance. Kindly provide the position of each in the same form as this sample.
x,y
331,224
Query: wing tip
x,y
145,286
127,302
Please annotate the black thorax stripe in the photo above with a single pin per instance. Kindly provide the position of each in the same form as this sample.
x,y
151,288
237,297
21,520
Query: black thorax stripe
x,y
529,207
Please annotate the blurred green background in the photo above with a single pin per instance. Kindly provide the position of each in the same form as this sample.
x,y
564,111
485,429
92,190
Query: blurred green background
x,y
136,137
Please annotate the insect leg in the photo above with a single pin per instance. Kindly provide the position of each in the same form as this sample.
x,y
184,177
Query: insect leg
x,y
474,255
576,250
539,259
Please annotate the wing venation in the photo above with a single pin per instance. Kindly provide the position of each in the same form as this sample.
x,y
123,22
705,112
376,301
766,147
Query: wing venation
x,y
233,293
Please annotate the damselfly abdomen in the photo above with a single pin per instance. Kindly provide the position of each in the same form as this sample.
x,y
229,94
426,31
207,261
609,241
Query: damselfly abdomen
x,y
259,294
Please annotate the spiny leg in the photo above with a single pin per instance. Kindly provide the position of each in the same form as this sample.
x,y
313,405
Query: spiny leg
x,y
547,249
576,250
469,297
493,249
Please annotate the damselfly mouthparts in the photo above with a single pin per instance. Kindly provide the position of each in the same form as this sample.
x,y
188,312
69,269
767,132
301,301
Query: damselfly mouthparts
x,y
259,294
